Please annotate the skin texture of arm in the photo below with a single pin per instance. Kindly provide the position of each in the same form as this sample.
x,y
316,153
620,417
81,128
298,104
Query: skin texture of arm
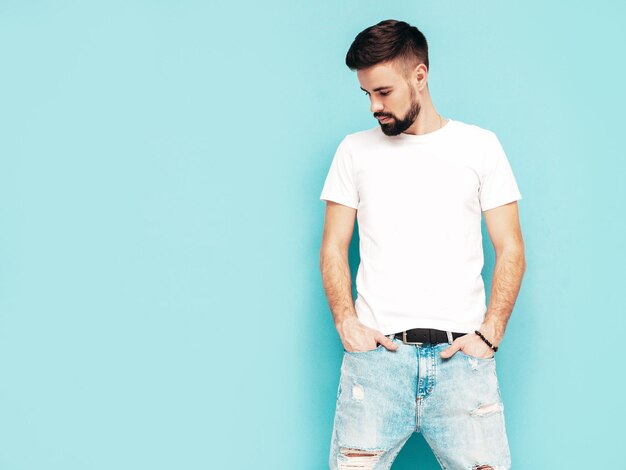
x,y
336,279
505,233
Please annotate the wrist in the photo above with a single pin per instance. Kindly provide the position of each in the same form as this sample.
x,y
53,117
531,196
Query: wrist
x,y
491,332
345,322
486,341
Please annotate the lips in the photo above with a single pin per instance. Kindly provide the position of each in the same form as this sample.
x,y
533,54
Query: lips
x,y
383,118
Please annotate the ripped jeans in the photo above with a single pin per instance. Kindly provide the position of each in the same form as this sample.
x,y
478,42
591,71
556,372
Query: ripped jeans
x,y
385,396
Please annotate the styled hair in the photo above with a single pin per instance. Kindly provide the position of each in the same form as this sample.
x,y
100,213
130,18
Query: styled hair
x,y
391,41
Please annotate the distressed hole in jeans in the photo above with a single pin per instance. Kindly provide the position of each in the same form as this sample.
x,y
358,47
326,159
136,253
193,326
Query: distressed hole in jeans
x,y
357,392
350,458
483,410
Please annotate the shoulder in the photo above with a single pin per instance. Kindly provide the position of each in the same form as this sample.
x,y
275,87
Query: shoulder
x,y
364,139
474,132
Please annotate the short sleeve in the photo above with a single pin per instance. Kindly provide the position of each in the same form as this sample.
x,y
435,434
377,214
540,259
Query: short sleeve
x,y
498,185
340,182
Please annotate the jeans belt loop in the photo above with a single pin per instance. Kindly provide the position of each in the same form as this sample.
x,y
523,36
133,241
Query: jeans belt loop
x,y
449,333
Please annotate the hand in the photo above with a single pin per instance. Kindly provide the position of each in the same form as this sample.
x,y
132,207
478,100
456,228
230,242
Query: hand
x,y
356,337
471,344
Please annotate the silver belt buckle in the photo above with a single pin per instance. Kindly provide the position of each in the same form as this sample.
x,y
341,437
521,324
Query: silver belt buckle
x,y
405,341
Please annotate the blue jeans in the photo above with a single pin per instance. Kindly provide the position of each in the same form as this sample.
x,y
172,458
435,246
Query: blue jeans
x,y
385,396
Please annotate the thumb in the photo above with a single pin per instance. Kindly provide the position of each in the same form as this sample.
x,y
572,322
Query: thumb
x,y
450,350
386,342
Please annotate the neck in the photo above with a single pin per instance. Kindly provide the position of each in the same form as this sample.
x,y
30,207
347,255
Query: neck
x,y
428,120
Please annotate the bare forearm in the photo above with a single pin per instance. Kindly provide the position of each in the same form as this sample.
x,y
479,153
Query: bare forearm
x,y
507,278
337,283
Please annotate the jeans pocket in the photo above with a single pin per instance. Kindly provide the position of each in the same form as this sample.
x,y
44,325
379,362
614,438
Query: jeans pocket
x,y
377,348
476,357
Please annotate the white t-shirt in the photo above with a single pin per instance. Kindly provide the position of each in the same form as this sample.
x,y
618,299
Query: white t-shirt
x,y
419,200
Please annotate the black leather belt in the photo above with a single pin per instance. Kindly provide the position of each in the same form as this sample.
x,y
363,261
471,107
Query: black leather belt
x,y
425,335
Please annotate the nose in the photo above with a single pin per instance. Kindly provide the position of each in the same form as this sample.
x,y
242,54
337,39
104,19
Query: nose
x,y
375,106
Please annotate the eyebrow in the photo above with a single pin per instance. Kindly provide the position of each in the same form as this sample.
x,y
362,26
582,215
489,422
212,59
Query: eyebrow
x,y
376,89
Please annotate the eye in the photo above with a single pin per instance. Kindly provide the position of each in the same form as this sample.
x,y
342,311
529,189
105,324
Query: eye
x,y
383,93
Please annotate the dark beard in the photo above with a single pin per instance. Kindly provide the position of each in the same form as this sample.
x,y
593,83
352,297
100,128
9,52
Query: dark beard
x,y
397,126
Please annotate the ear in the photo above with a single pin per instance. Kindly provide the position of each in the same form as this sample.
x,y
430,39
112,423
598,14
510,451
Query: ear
x,y
421,73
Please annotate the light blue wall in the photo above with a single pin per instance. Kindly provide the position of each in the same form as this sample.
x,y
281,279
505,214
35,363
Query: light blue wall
x,y
161,304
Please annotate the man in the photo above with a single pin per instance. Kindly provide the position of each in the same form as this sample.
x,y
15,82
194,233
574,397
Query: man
x,y
419,341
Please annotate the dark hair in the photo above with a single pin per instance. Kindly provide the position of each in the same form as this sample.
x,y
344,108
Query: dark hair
x,y
389,41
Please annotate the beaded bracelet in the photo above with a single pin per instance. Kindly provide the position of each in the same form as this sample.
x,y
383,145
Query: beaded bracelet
x,y
495,348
